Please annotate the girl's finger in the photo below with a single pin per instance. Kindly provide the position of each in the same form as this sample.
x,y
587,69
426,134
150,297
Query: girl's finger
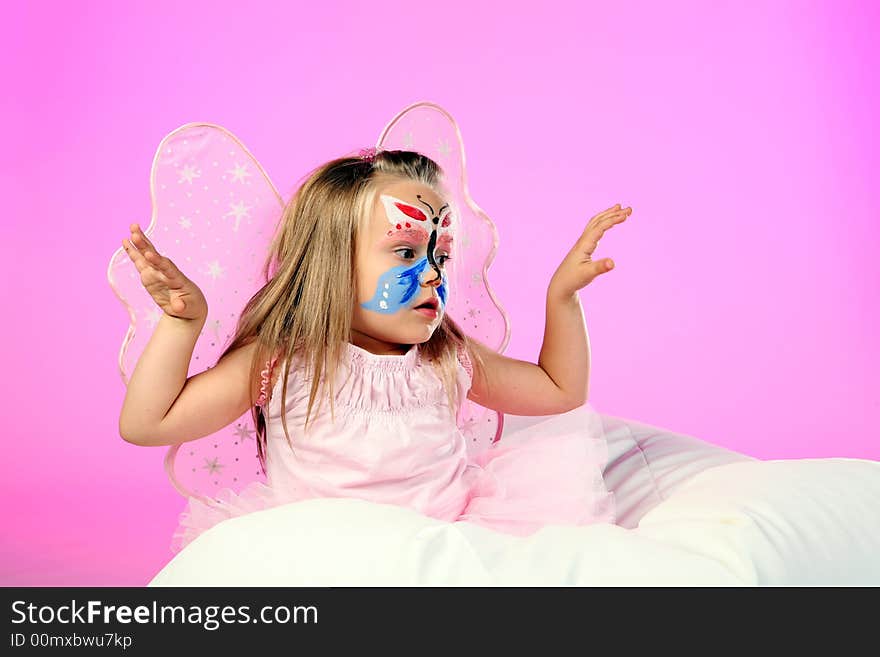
x,y
596,229
615,218
611,220
134,255
605,213
165,266
141,240
159,262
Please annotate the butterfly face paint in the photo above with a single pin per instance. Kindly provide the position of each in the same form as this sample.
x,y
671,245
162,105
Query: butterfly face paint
x,y
399,286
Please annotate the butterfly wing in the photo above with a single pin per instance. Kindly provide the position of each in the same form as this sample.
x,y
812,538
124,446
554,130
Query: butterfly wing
x,y
429,129
214,213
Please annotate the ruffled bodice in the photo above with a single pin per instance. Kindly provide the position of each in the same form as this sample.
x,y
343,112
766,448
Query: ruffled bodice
x,y
393,439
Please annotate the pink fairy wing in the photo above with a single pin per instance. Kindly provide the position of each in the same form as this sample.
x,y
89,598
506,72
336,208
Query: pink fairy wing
x,y
214,214
429,129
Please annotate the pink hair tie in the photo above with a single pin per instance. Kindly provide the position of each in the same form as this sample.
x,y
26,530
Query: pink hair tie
x,y
266,380
368,154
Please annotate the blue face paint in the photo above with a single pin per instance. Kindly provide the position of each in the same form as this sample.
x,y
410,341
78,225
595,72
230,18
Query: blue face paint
x,y
398,287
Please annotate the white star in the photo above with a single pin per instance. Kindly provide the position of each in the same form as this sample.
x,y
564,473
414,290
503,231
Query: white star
x,y
239,172
188,173
408,140
477,277
239,210
215,271
212,466
184,223
443,147
244,432
153,316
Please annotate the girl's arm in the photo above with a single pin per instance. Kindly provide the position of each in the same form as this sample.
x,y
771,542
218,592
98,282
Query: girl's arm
x,y
560,381
162,406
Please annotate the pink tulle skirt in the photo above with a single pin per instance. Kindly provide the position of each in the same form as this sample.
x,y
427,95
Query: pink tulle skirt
x,y
547,474
528,481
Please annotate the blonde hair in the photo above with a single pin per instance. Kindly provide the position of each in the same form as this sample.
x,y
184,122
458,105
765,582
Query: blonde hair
x,y
306,305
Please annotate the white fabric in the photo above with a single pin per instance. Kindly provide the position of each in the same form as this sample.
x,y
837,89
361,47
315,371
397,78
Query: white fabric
x,y
806,522
692,514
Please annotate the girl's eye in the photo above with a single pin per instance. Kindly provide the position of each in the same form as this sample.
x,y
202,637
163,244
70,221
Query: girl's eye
x,y
441,259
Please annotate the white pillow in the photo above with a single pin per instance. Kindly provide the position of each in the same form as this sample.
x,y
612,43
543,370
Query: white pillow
x,y
646,464
351,542
327,542
802,522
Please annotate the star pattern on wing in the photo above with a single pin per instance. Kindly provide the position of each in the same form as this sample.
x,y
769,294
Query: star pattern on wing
x,y
238,211
153,316
213,465
443,147
215,270
239,173
244,432
189,172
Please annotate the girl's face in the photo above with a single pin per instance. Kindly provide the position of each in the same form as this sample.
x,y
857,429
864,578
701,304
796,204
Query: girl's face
x,y
395,272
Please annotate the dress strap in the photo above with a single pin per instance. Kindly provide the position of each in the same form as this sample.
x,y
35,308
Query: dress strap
x,y
265,389
465,361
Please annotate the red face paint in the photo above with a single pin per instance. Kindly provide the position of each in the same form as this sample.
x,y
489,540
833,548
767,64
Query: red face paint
x,y
416,235
410,221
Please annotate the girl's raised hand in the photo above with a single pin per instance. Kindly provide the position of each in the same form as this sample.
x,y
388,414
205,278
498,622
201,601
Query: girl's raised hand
x,y
175,293
578,269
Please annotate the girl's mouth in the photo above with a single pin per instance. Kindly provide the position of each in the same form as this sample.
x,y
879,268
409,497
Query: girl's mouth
x,y
427,311
430,302
428,308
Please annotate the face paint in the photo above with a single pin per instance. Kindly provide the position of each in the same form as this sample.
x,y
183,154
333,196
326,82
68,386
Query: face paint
x,y
398,287
402,215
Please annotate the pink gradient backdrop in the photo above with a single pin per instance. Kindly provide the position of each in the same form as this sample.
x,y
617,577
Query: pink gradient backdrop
x,y
743,308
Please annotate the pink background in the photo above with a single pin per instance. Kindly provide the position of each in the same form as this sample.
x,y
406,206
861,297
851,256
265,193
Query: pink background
x,y
743,308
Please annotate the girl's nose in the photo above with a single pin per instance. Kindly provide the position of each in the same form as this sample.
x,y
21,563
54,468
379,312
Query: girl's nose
x,y
430,278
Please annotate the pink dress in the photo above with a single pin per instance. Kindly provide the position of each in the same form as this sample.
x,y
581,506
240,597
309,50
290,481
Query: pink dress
x,y
394,443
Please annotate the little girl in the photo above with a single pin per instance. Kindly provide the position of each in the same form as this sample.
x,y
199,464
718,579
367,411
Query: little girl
x,y
355,314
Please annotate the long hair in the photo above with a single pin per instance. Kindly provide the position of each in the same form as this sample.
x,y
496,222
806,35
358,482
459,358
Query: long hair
x,y
305,308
